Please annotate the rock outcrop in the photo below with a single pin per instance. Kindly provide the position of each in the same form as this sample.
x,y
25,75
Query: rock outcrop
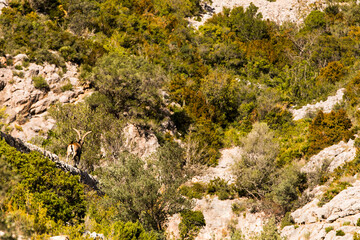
x,y
26,105
325,106
337,155
278,11
223,169
3,3
218,213
341,213
140,142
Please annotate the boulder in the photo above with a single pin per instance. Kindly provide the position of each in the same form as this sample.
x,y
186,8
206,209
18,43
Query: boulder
x,y
337,154
325,106
62,237
140,142
18,59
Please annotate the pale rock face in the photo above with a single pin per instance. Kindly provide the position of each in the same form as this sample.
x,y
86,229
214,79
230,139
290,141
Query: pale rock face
x,y
63,237
325,106
3,3
337,154
278,11
218,214
223,169
341,213
25,105
140,142
18,59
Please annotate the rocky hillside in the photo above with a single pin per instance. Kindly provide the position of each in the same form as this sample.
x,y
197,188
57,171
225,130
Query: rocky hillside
x,y
337,219
27,104
219,214
207,133
278,11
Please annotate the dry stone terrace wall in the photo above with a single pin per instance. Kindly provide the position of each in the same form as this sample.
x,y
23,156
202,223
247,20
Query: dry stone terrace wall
x,y
24,147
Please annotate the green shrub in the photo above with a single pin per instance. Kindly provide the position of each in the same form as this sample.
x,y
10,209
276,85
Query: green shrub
x,y
328,229
327,129
256,167
20,74
340,233
191,223
196,190
358,222
356,236
334,190
238,207
10,61
315,20
18,67
58,192
25,64
66,87
332,73
40,83
220,188
287,220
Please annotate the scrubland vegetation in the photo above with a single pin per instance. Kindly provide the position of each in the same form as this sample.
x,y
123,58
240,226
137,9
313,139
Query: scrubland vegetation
x,y
229,83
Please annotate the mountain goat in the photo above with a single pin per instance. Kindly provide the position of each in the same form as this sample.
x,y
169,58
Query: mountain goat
x,y
74,149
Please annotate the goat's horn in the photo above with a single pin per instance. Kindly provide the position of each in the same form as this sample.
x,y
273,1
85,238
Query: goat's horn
x,y
78,133
85,135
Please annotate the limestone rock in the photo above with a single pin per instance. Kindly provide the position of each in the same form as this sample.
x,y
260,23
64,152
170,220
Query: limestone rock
x,y
325,106
18,59
140,142
278,11
62,237
26,106
341,213
337,154
223,169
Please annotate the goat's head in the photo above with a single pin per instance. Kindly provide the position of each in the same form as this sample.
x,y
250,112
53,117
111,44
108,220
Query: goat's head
x,y
81,139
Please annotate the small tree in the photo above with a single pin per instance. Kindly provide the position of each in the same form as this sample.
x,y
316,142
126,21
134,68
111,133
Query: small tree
x,y
256,168
146,194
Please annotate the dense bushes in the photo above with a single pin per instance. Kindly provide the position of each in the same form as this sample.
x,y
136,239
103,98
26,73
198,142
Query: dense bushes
x,y
327,129
191,223
42,190
149,194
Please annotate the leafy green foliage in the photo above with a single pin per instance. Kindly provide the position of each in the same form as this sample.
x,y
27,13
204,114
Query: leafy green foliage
x,y
270,231
40,83
247,25
191,222
220,188
340,233
59,194
334,190
255,170
148,195
332,73
216,186
327,129
128,84
146,65
328,229
288,186
315,20
196,190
